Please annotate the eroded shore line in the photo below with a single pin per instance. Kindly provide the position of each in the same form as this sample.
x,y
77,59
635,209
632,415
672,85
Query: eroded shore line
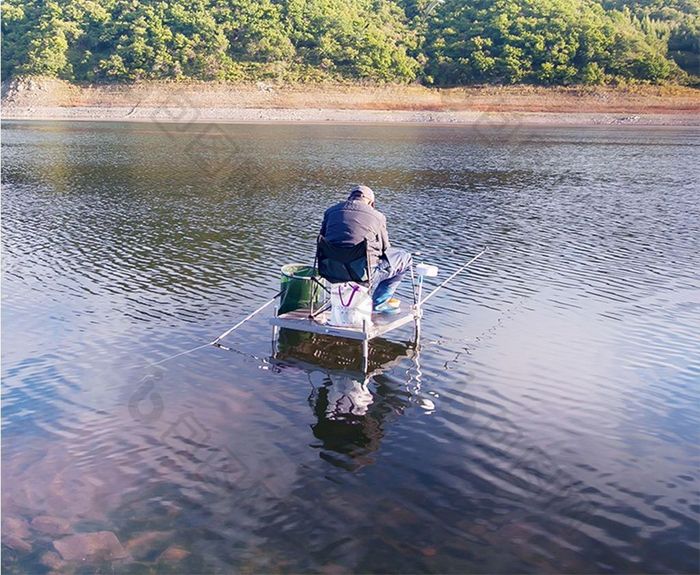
x,y
51,99
337,116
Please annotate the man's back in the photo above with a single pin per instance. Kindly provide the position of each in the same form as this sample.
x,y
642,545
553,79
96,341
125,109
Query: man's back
x,y
348,223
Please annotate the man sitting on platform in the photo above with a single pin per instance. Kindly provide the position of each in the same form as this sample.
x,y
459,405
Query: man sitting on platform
x,y
348,223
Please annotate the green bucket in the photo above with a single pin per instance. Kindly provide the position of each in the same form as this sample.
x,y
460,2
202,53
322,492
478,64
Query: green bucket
x,y
298,288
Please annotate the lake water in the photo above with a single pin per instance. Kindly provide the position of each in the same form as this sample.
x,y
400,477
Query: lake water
x,y
548,422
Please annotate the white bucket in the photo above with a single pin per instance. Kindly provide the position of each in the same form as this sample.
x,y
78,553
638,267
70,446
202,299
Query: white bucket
x,y
351,305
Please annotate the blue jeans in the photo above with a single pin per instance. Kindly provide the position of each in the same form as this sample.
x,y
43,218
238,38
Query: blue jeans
x,y
388,274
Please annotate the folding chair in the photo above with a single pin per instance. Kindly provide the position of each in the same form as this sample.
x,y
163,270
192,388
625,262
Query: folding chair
x,y
337,264
343,264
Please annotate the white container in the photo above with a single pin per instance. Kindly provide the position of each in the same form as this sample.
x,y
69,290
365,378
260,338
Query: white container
x,y
351,305
427,270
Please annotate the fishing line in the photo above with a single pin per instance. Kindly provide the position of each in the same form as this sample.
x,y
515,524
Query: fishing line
x,y
216,343
180,354
262,360
452,276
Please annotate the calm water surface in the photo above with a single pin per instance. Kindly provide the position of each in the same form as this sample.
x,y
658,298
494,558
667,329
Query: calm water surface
x,y
549,422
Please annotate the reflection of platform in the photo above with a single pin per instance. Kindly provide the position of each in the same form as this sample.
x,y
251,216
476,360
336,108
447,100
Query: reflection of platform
x,y
338,354
381,324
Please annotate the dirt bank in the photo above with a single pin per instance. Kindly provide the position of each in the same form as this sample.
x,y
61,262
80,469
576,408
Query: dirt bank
x,y
189,102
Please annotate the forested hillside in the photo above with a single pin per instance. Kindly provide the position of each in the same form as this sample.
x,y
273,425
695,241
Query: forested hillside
x,y
444,43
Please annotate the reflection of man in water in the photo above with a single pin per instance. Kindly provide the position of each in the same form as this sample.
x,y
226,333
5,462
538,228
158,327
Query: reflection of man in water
x,y
349,432
348,223
347,397
351,409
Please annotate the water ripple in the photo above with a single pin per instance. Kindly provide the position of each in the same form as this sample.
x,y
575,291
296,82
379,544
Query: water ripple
x,y
547,423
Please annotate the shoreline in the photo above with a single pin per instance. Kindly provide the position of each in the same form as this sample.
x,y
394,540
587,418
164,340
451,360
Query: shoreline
x,y
50,99
349,117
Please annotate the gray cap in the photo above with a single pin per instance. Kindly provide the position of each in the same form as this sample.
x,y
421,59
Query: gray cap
x,y
362,192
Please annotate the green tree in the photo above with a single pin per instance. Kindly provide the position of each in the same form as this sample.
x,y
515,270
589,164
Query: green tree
x,y
359,38
447,43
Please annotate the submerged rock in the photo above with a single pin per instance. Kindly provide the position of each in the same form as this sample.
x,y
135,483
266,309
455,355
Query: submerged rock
x,y
51,525
147,543
173,554
97,546
16,543
52,560
15,526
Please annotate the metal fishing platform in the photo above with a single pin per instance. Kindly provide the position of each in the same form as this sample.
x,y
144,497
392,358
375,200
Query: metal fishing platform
x,y
318,320
301,320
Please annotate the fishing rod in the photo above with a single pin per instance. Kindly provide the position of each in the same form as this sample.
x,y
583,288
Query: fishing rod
x,y
270,301
218,339
460,270
418,303
245,319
